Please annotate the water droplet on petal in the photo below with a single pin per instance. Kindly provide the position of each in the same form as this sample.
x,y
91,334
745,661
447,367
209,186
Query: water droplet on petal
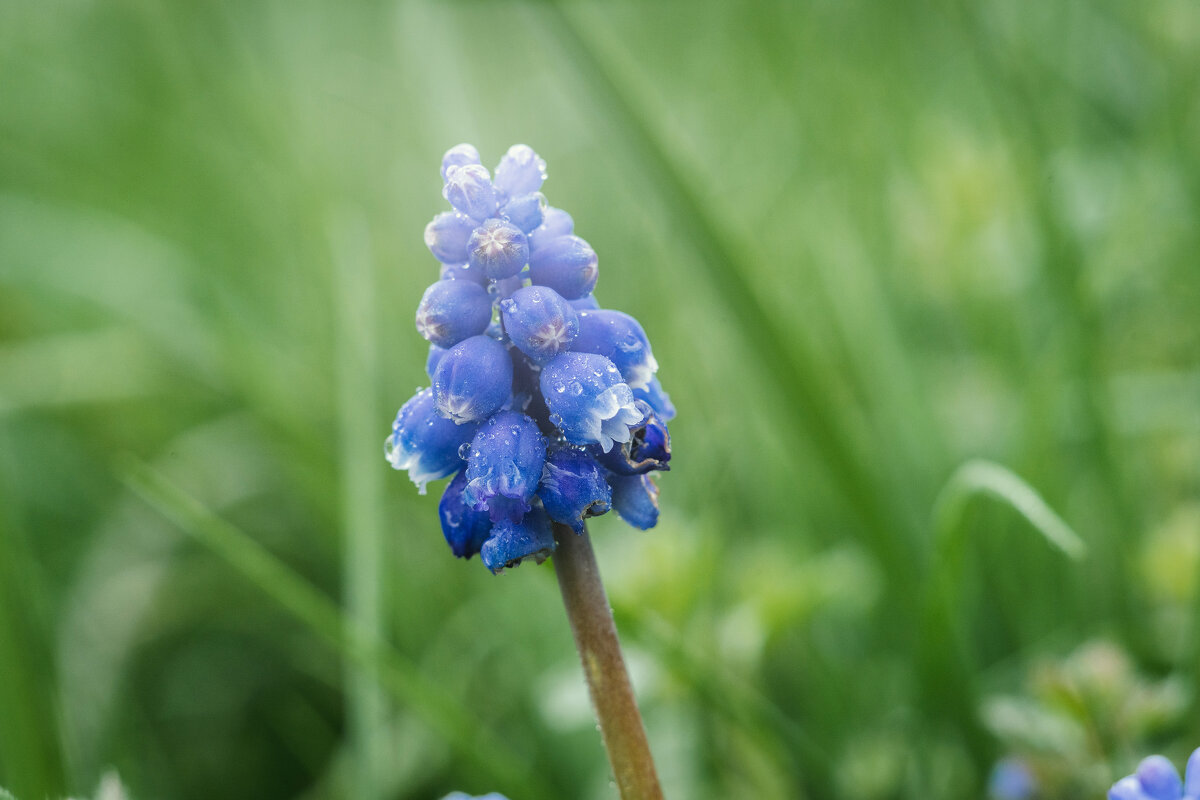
x,y
464,450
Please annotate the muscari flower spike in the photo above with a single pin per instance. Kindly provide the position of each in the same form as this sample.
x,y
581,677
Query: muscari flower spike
x,y
1157,779
543,407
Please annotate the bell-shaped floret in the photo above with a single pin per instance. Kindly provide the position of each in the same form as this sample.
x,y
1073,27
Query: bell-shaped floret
x,y
458,156
525,211
586,303
555,223
568,265
446,237
587,399
659,400
498,248
573,487
521,171
451,311
648,448
473,379
539,322
424,442
464,528
635,499
1159,778
504,466
469,189
619,338
511,543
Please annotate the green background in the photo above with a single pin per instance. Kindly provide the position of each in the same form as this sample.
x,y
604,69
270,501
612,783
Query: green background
x,y
871,242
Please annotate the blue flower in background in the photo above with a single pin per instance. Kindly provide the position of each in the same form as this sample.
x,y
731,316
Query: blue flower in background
x,y
465,796
544,407
1011,780
1157,779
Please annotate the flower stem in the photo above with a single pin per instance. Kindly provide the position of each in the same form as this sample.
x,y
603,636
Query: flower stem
x,y
604,667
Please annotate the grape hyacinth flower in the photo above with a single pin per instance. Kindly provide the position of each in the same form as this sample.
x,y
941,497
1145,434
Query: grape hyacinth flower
x,y
1157,779
544,407
542,404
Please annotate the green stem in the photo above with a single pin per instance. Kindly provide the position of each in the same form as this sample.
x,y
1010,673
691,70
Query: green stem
x,y
604,667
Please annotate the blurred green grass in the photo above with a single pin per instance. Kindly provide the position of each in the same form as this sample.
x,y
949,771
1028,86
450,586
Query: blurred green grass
x,y
870,242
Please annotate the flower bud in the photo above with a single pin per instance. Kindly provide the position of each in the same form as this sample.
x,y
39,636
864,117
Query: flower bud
x,y
446,237
539,322
521,171
458,156
498,248
525,211
568,265
451,311
619,338
469,189
555,223
473,379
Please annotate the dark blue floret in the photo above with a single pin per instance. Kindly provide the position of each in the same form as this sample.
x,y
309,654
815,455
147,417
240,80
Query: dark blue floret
x,y
512,542
635,499
451,311
619,338
504,466
648,448
498,248
567,264
659,400
573,487
446,237
425,443
539,322
588,400
473,379
464,528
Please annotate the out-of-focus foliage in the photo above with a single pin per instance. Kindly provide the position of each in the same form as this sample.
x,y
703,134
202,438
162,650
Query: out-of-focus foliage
x,y
870,242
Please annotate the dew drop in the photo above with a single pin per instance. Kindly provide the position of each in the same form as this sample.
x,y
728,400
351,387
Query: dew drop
x,y
464,450
576,388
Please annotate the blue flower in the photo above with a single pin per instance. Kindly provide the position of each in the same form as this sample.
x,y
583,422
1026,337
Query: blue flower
x,y
520,171
424,442
526,211
498,248
587,399
465,529
619,338
446,237
539,322
573,487
512,542
458,156
635,499
648,448
451,311
505,466
551,401
469,189
473,379
465,796
1157,779
555,223
567,264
